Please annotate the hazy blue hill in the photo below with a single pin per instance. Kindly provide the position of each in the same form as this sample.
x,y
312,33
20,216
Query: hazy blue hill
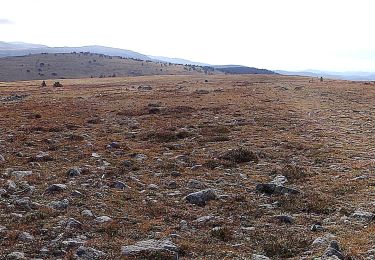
x,y
350,75
21,49
238,69
178,60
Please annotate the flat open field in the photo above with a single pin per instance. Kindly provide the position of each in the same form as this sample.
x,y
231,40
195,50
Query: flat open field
x,y
127,151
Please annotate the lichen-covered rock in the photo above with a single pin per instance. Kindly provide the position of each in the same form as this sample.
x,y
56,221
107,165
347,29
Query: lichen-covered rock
x,y
162,248
200,198
89,253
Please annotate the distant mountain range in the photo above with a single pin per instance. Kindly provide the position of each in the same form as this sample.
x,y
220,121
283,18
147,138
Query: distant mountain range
x,y
21,49
177,60
354,75
11,49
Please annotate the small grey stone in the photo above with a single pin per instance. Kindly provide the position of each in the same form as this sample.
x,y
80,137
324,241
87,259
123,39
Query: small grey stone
x,y
204,220
285,219
119,185
114,145
73,172
153,187
363,215
87,213
103,219
44,251
3,192
279,180
25,236
259,257
56,188
59,205
2,158
183,225
195,184
172,185
24,203
73,223
196,167
88,253
151,245
76,193
317,227
16,255
20,174
175,174
200,198
11,185
72,242
333,251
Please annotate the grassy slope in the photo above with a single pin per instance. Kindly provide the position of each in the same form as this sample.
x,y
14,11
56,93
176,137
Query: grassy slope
x,y
57,66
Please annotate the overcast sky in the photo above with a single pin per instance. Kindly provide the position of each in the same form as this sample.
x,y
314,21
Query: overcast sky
x,y
275,34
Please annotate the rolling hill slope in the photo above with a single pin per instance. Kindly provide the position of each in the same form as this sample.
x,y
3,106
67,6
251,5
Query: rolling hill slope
x,y
83,65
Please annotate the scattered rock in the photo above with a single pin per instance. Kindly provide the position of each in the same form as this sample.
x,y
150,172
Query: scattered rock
x,y
11,185
195,184
69,243
89,253
24,203
3,192
41,157
87,213
2,228
153,187
144,87
333,251
201,197
59,205
175,174
161,248
73,224
317,227
56,188
26,237
363,215
114,145
204,220
170,185
103,219
73,172
76,193
2,159
21,174
16,255
279,180
259,257
285,219
274,189
119,185
202,92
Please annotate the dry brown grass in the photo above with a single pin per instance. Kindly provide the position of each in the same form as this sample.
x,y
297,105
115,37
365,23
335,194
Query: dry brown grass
x,y
320,140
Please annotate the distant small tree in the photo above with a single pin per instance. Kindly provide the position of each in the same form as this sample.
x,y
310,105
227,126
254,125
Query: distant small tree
x,y
321,79
57,85
43,84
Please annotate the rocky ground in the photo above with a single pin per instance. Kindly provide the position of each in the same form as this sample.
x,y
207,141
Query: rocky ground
x,y
188,167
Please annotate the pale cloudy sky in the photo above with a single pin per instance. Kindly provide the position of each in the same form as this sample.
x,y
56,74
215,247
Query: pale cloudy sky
x,y
275,34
